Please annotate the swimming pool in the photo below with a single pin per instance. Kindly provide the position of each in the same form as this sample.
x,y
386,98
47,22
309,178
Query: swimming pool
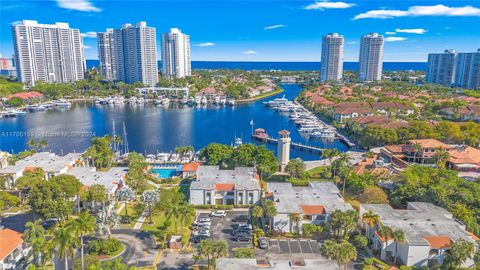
x,y
164,172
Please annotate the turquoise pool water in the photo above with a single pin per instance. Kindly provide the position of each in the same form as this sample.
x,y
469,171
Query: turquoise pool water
x,y
164,172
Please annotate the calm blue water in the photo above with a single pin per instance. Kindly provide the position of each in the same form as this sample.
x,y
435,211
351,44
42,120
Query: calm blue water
x,y
164,173
387,66
151,129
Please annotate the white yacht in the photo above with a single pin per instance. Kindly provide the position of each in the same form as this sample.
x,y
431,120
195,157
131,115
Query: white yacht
x,y
191,101
223,100
198,99
132,100
231,101
158,101
276,102
204,100
140,100
36,108
184,100
165,101
62,103
216,100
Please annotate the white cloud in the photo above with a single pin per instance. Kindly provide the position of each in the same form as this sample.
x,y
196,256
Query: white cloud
x,y
437,10
390,33
89,34
394,39
448,27
273,26
205,44
80,5
352,42
419,31
86,47
321,5
250,52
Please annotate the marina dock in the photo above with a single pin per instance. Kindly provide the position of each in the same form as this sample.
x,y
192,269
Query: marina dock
x,y
293,145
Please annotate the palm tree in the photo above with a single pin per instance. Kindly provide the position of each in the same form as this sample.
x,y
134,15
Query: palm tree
x,y
125,194
35,236
257,213
441,157
346,253
42,143
205,250
398,237
417,148
84,224
295,217
186,212
270,211
149,197
330,154
370,218
65,241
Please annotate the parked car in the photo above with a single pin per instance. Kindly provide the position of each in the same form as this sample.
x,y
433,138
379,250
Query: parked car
x,y
50,223
241,218
202,232
243,238
242,231
218,213
201,225
198,238
203,220
262,242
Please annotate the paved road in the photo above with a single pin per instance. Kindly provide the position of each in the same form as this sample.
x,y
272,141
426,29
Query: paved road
x,y
175,261
17,222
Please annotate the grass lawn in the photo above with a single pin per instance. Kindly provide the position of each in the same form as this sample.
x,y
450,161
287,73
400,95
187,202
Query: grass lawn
x,y
158,225
113,254
277,178
134,211
317,173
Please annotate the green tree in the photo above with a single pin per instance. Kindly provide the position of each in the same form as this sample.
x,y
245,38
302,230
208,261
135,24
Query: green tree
x,y
374,195
295,219
65,241
296,168
100,152
399,238
96,193
82,225
342,223
460,251
125,194
186,212
370,218
136,177
212,250
69,184
216,154
342,252
48,200
270,212
150,197
34,235
8,200
257,213
441,157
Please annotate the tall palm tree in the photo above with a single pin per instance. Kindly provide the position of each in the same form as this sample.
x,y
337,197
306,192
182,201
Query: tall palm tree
x,y
257,213
295,218
398,237
150,197
441,157
370,218
65,241
270,211
174,212
35,236
84,224
186,212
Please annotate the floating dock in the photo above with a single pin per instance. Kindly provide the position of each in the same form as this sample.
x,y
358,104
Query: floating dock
x,y
293,145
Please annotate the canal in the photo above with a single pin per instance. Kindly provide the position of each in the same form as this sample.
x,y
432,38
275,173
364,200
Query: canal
x,y
151,129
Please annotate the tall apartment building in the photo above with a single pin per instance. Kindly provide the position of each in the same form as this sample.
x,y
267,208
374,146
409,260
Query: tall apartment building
x,y
48,52
371,58
441,68
129,54
176,54
331,67
107,54
468,70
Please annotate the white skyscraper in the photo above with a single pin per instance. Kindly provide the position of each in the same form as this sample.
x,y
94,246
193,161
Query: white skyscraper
x,y
442,67
48,52
136,54
468,70
107,54
371,58
176,54
331,68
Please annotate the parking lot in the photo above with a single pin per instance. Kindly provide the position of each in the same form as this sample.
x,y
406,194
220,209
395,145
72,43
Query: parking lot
x,y
221,228
288,248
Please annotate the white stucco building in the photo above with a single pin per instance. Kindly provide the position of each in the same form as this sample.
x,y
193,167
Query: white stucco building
x,y
371,58
429,231
176,54
225,187
331,67
50,53
313,203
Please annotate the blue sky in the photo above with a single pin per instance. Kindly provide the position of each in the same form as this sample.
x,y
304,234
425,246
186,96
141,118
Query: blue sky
x,y
265,30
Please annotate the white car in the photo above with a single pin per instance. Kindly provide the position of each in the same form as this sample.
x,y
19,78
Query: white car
x,y
203,220
218,213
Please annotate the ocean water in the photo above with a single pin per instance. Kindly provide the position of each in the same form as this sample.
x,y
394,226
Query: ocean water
x,y
291,66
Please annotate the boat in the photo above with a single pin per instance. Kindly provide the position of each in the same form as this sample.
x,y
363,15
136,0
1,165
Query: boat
x,y
118,100
35,108
223,100
12,113
231,101
184,100
237,142
140,100
132,100
276,102
327,133
198,99
165,101
62,103
204,100
216,100
158,101
191,101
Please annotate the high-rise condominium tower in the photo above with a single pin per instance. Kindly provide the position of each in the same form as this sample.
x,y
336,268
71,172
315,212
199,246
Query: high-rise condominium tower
x,y
107,54
371,58
441,68
176,54
331,68
468,70
130,53
48,52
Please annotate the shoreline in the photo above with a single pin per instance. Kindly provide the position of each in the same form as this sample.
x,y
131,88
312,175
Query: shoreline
x,y
262,96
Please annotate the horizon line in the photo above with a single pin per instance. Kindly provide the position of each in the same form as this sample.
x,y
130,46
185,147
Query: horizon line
x,y
269,61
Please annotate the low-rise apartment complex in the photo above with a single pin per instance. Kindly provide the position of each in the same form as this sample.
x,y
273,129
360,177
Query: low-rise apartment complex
x,y
313,203
215,186
13,250
429,231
